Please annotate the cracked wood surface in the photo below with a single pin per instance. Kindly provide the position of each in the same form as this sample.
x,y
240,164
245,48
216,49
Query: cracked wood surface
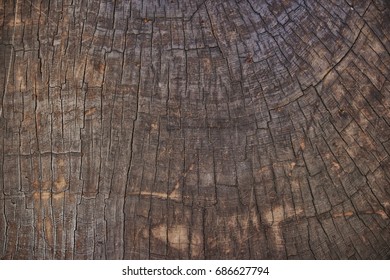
x,y
194,129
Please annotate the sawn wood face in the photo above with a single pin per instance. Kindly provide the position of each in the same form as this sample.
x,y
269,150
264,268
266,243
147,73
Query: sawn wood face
x,y
194,129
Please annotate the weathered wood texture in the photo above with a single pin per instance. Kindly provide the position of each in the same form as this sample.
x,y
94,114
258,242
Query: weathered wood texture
x,y
194,129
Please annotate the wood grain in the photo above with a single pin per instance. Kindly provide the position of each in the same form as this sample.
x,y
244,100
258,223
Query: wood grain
x,y
194,129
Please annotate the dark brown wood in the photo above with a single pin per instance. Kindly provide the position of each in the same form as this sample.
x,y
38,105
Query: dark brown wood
x,y
253,129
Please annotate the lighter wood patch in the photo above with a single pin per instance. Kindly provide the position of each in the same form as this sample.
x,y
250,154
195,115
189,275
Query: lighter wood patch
x,y
90,111
173,195
154,126
196,243
176,236
49,232
344,214
382,214
273,218
60,184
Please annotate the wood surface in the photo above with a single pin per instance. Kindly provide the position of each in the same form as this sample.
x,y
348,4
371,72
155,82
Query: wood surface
x,y
184,129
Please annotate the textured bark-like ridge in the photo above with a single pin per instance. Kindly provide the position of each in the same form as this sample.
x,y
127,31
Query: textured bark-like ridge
x,y
194,129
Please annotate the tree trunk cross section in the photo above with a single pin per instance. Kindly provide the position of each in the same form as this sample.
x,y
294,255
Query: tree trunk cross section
x,y
195,129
